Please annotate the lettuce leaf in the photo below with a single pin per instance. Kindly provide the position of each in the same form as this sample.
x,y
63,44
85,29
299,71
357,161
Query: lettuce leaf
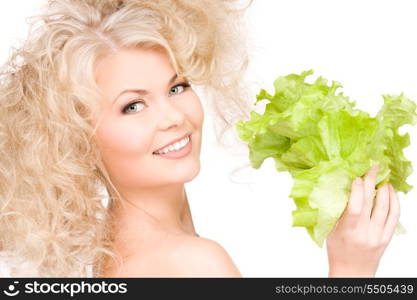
x,y
318,136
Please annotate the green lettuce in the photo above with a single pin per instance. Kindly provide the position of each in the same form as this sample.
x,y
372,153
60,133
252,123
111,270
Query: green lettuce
x,y
317,135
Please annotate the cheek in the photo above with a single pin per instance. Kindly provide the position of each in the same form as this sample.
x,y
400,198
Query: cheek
x,y
121,143
195,115
123,138
200,116
195,112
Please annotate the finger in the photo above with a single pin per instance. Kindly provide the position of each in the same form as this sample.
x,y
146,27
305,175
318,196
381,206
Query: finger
x,y
354,207
369,192
393,215
380,211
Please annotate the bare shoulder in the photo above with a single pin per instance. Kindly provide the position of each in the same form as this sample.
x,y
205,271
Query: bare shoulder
x,y
181,256
201,257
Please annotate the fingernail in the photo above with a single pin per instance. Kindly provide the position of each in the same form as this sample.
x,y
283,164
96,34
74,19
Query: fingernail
x,y
375,167
358,180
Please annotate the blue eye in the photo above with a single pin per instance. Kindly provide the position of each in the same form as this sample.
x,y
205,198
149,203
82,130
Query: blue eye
x,y
181,87
138,106
134,107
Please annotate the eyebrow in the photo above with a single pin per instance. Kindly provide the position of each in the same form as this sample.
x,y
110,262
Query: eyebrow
x,y
141,91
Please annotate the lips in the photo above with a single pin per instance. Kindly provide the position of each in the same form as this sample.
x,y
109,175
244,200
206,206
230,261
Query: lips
x,y
172,142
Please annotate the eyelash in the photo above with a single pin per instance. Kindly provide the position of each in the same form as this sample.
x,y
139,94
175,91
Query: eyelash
x,y
185,85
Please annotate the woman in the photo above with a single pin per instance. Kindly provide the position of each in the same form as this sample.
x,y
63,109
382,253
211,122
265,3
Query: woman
x,y
100,95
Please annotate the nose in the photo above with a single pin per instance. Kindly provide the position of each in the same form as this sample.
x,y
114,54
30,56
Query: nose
x,y
170,115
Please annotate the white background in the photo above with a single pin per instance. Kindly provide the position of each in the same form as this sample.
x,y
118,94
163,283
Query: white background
x,y
368,46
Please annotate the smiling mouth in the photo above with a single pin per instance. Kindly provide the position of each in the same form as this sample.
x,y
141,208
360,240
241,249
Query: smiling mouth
x,y
173,147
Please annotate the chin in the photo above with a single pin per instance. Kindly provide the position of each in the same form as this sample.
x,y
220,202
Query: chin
x,y
184,174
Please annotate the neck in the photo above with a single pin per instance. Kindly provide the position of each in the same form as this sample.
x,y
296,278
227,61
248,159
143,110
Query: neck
x,y
163,208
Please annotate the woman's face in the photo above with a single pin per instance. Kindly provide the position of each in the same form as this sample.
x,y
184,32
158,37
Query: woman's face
x,y
153,137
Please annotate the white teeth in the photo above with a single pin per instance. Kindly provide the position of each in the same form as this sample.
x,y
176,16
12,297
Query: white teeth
x,y
174,147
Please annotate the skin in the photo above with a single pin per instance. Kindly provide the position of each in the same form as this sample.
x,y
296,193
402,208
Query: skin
x,y
155,235
154,204
360,237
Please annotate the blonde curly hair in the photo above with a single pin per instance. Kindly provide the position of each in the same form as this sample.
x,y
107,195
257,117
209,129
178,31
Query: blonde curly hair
x,y
53,218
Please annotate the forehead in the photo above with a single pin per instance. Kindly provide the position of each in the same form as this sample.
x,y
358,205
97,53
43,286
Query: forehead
x,y
133,66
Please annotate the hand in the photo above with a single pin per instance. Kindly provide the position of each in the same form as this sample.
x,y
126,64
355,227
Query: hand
x,y
359,238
